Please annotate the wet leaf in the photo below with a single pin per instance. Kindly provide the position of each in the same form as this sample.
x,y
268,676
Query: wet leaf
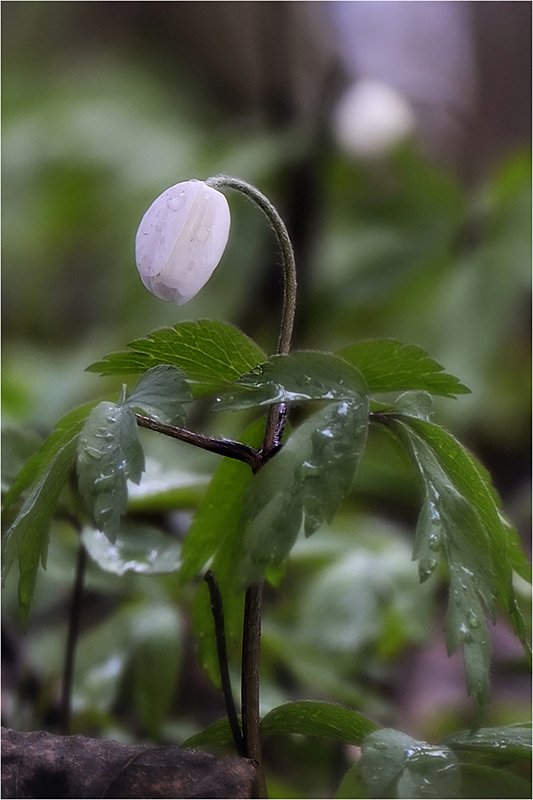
x,y
509,742
108,454
302,375
140,549
210,353
304,483
162,393
389,366
396,765
461,523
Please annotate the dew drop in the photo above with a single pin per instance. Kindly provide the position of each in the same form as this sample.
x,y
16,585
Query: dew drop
x,y
176,202
92,452
104,482
202,233
473,620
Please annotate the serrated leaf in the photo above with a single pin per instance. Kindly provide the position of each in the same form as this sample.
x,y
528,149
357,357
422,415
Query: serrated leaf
x,y
394,764
139,549
316,718
305,482
109,453
301,375
461,523
390,366
161,393
42,477
211,353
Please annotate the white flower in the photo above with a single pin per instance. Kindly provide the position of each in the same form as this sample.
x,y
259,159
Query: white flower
x,y
181,239
372,118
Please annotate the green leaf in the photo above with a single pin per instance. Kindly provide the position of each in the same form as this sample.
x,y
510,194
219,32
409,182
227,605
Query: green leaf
x,y
109,453
306,717
352,785
316,718
302,375
390,366
509,742
137,548
220,509
211,353
415,404
305,481
396,765
218,733
461,523
161,393
216,534
41,478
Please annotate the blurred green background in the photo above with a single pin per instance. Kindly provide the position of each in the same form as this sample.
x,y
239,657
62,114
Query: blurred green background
x,y
107,104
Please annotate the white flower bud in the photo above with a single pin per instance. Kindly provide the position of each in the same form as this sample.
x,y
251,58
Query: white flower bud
x,y
181,239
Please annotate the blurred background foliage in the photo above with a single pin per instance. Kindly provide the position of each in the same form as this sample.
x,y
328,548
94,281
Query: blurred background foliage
x,y
107,104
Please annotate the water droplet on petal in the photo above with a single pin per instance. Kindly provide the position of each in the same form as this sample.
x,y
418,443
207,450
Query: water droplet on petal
x,y
176,202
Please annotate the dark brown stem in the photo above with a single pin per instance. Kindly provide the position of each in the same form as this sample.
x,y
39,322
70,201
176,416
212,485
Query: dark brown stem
x,y
223,447
251,661
220,634
72,638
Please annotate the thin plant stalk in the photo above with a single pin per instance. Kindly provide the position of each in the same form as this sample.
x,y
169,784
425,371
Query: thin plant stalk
x,y
220,634
251,642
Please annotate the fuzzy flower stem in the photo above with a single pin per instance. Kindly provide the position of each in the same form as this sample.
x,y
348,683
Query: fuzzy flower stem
x,y
287,252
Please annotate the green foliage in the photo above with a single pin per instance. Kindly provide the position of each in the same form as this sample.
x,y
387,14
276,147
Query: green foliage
x,y
137,548
396,765
109,454
463,765
314,718
461,523
109,450
302,375
211,353
303,717
39,482
161,393
390,366
305,482
215,535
